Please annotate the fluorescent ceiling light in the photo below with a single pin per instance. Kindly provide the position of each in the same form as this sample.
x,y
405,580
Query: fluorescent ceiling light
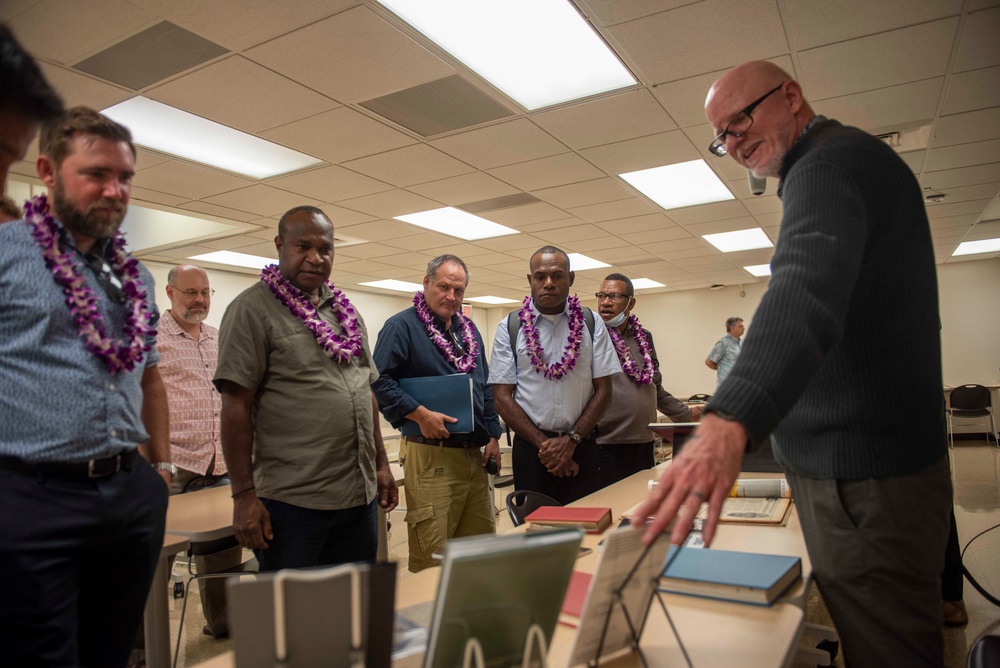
x,y
235,259
740,240
539,52
759,270
456,223
393,284
645,284
579,262
975,247
164,128
490,299
682,184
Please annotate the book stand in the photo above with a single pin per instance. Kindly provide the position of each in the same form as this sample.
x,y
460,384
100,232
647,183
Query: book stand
x,y
618,602
472,656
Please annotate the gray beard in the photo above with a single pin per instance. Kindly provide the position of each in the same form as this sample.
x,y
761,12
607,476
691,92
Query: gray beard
x,y
193,318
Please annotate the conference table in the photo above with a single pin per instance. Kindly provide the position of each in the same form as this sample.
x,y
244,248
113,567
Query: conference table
x,y
714,633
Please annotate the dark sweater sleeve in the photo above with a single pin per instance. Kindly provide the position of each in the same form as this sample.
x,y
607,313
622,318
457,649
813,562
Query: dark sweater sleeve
x,y
801,316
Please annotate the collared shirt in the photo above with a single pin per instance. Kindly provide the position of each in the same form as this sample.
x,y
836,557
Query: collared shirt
x,y
187,366
553,405
724,354
633,406
314,442
58,402
405,350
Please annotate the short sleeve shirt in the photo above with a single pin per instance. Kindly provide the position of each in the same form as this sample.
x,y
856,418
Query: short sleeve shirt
x,y
314,445
724,354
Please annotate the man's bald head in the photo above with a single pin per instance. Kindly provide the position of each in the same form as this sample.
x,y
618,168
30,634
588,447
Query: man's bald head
x,y
776,121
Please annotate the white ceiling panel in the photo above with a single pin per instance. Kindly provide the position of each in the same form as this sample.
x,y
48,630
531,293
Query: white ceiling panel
x,y
963,155
464,189
520,216
606,120
76,88
969,127
241,94
179,177
390,203
146,195
410,165
622,208
980,45
951,178
709,212
548,172
584,193
885,107
501,144
818,22
220,211
612,12
886,59
977,89
330,184
382,59
262,200
667,148
338,135
652,221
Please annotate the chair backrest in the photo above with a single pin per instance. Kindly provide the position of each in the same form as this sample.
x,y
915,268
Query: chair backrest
x,y
201,482
970,398
985,653
522,502
699,397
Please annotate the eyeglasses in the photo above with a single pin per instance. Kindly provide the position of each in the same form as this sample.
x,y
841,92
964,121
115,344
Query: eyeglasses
x,y
738,125
191,294
110,283
613,296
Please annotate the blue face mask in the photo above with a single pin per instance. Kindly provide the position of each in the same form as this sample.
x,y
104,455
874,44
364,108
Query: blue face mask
x,y
618,319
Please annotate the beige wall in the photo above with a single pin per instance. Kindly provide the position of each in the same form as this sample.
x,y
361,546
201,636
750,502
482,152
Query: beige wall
x,y
686,324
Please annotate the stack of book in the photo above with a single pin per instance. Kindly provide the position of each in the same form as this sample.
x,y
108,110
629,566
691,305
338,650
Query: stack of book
x,y
591,520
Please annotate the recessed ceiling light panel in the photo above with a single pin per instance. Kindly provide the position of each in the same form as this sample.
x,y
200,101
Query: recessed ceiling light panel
x,y
539,52
170,130
393,284
490,299
457,223
976,247
759,270
578,262
645,284
740,240
235,259
682,184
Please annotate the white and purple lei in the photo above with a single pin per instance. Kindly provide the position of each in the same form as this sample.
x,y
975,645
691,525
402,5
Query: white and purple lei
x,y
117,354
629,365
467,362
535,351
339,349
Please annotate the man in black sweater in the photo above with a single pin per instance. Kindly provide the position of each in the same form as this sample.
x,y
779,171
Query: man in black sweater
x,y
857,412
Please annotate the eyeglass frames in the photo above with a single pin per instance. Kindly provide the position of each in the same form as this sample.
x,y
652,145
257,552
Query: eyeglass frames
x,y
192,293
613,296
739,124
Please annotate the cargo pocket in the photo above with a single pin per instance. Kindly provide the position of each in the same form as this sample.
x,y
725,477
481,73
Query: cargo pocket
x,y
423,533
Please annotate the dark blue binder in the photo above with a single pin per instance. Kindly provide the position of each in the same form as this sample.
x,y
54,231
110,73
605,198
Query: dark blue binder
x,y
451,395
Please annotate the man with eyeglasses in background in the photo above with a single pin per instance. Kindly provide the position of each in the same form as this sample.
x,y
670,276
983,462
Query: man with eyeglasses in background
x,y
189,351
624,441
82,514
854,259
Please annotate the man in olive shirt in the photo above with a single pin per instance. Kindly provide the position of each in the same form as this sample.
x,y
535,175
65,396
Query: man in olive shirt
x,y
299,429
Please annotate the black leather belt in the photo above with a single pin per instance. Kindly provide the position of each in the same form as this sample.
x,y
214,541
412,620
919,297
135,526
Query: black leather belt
x,y
451,442
95,468
557,434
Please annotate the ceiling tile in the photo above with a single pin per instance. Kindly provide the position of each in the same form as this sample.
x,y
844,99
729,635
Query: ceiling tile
x,y
977,89
584,193
548,172
179,177
904,55
145,157
597,244
606,120
384,230
624,226
622,208
330,184
342,217
815,22
464,189
410,165
239,24
231,243
963,176
763,204
708,212
914,160
982,191
519,216
146,195
615,11
973,126
219,211
67,31
569,235
877,110
76,88
717,226
980,46
417,242
382,59
262,200
957,209
963,155
500,144
672,45
241,94
390,203
628,156
338,135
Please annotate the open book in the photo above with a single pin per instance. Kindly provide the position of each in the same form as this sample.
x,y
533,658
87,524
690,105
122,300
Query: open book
x,y
752,501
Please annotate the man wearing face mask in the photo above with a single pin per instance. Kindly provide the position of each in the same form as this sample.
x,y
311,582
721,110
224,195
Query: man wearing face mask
x,y
624,442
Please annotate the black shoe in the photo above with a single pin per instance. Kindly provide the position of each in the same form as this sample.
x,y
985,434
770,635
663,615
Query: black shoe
x,y
218,636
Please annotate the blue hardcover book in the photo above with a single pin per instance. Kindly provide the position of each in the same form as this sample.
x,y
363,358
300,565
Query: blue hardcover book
x,y
733,576
451,395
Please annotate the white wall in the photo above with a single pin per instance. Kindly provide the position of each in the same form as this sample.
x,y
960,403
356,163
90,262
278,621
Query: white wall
x,y
686,324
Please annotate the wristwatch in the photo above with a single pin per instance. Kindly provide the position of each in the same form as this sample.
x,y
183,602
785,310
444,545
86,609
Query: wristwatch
x,y
166,466
575,437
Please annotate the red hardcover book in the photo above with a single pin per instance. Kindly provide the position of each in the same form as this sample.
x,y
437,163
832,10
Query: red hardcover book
x,y
576,594
591,519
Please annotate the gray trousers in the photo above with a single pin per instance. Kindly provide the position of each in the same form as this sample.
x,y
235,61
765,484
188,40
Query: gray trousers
x,y
877,548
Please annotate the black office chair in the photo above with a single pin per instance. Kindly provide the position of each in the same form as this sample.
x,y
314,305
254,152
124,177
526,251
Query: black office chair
x,y
970,401
985,653
699,398
522,502
203,548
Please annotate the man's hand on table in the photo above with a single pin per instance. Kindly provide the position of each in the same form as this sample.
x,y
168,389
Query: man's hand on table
x,y
704,471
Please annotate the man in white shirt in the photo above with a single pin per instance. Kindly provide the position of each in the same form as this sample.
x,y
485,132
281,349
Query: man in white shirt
x,y
561,367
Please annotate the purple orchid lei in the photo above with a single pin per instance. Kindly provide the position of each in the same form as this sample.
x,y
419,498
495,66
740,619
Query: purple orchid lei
x,y
339,349
117,354
629,365
467,362
570,352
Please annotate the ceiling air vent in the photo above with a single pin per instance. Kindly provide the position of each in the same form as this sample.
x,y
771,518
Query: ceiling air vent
x,y
438,106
